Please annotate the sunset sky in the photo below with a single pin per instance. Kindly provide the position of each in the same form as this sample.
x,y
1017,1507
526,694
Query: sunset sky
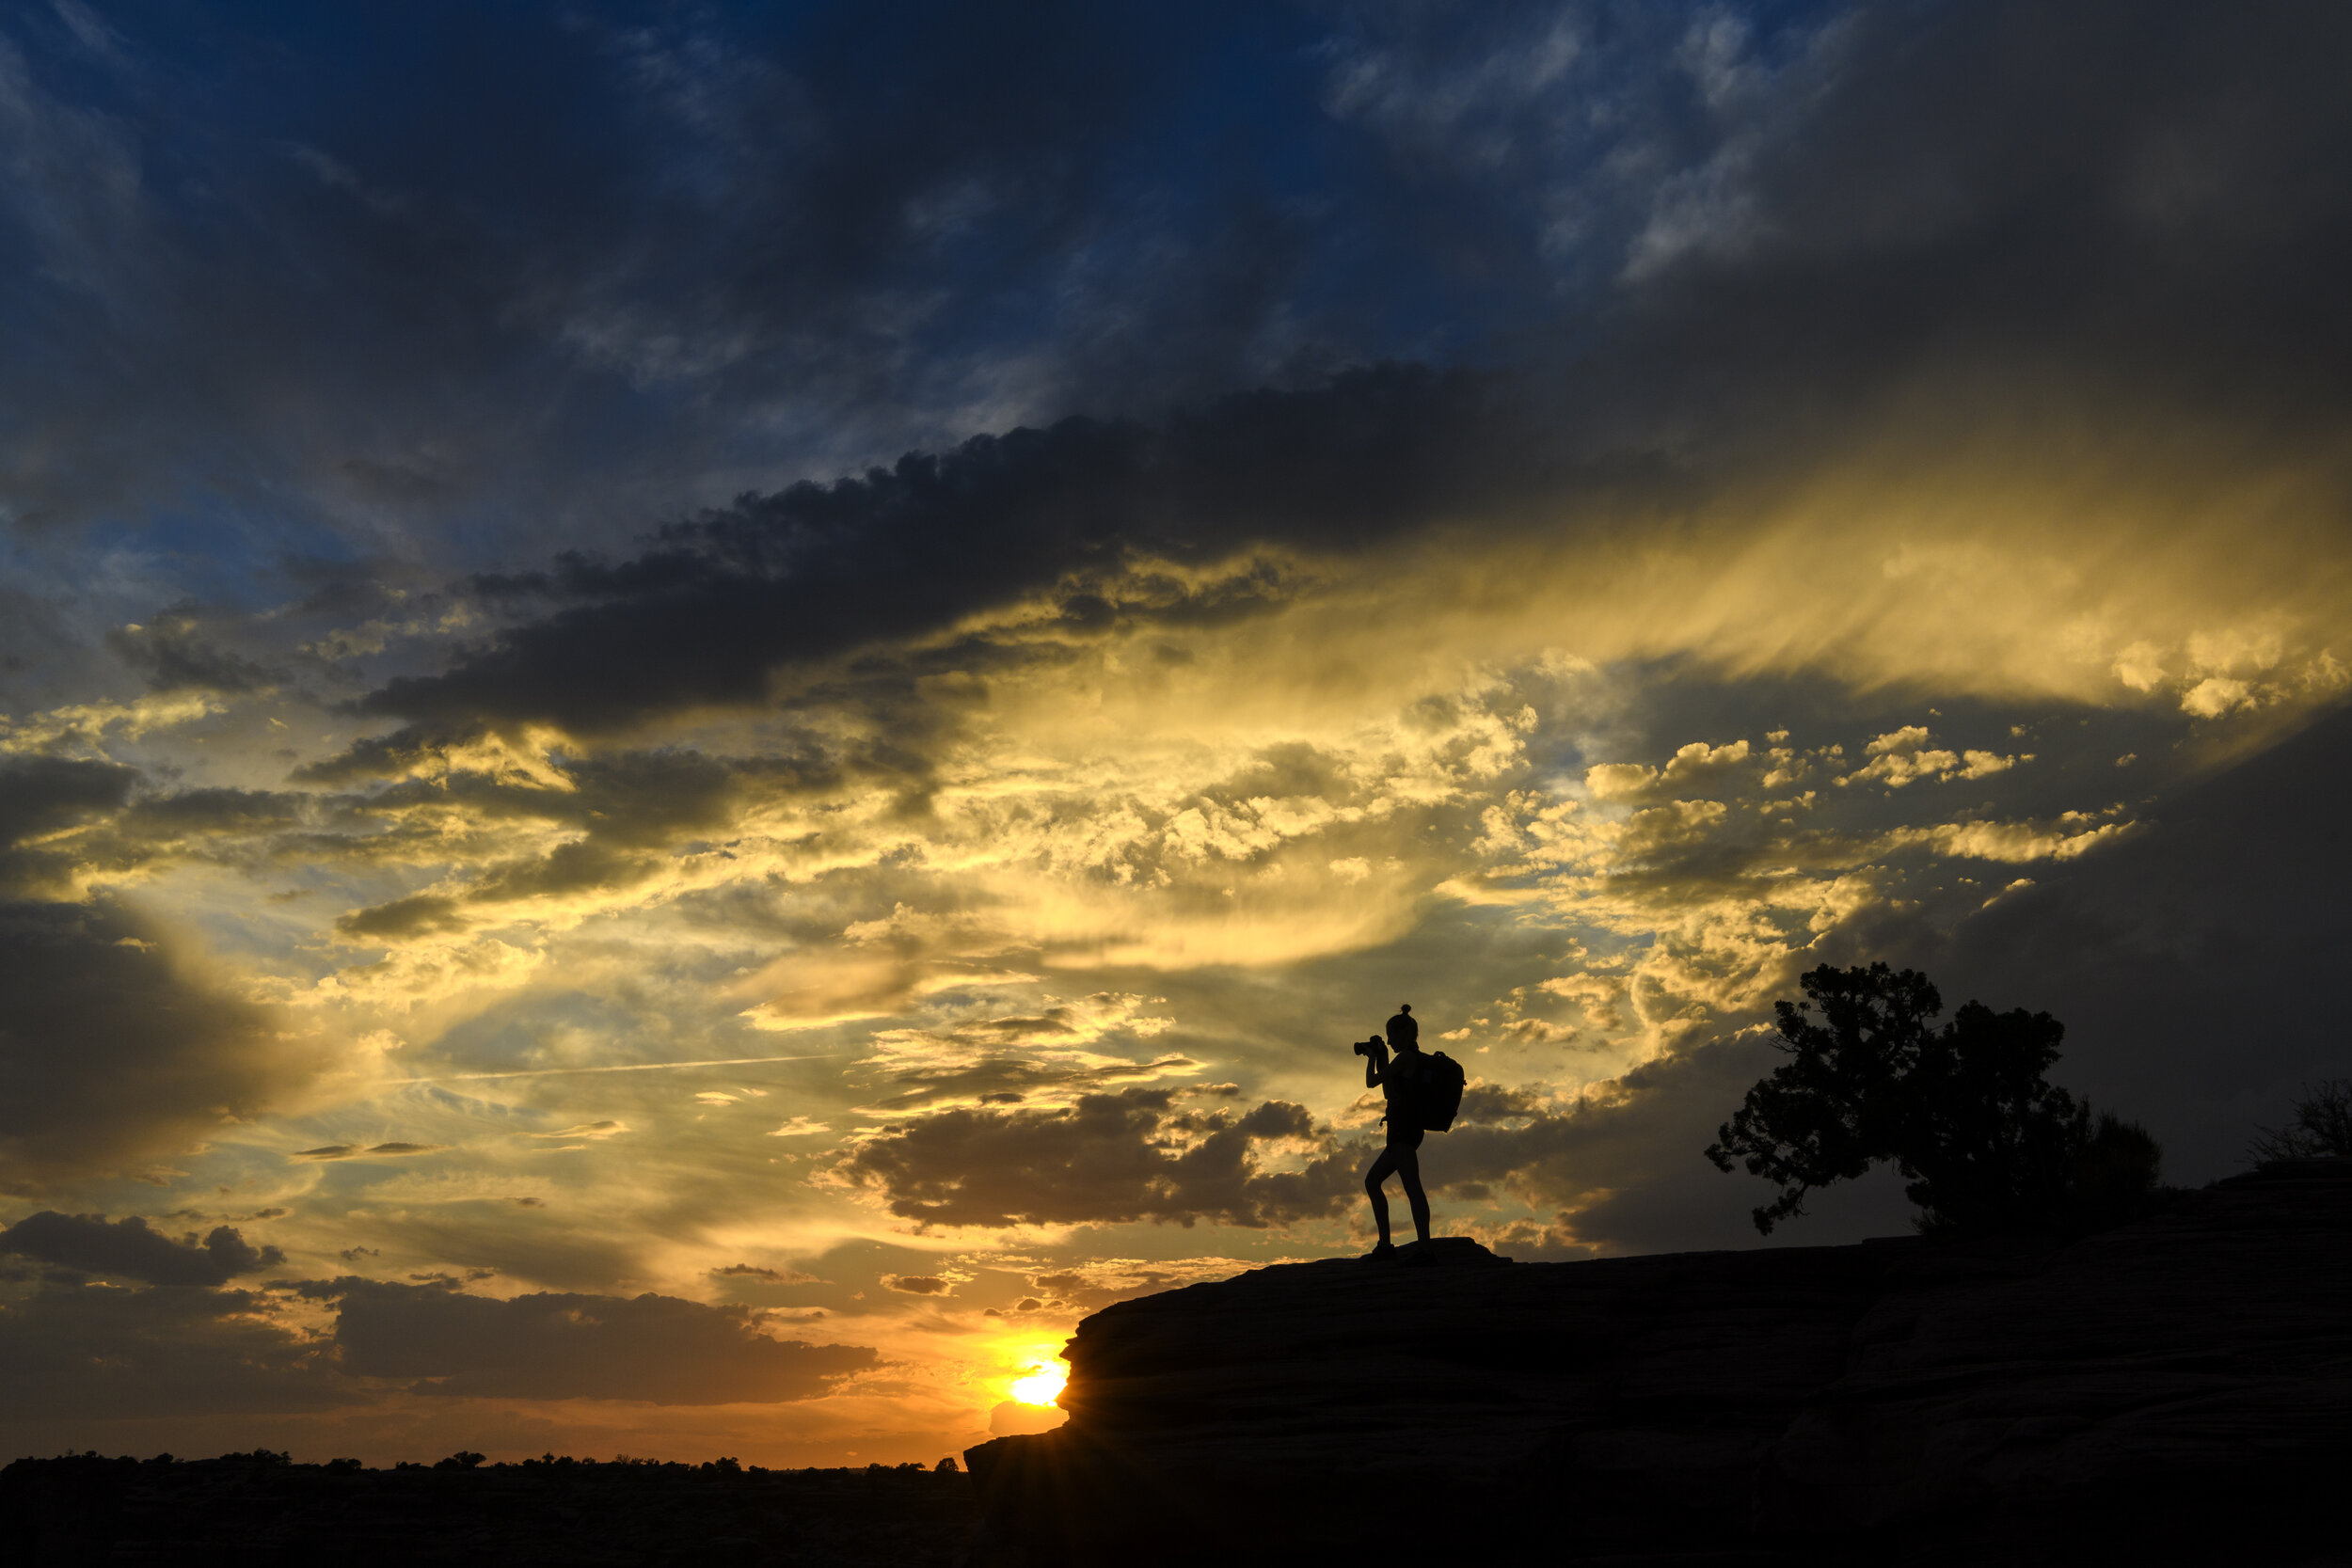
x,y
708,715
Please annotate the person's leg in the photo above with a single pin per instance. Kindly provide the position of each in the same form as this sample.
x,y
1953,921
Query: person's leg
x,y
1408,1167
1373,1178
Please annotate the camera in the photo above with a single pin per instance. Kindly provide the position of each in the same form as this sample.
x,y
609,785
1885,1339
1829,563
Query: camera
x,y
1375,1047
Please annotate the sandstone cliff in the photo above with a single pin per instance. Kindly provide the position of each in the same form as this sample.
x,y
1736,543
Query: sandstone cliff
x,y
2176,1390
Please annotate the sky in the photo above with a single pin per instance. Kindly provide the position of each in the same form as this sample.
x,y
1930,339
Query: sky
x,y
708,715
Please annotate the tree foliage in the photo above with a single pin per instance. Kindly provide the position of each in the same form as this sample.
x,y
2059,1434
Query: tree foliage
x,y
1985,1141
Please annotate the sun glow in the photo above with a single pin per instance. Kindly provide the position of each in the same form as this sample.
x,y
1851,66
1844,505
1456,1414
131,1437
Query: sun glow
x,y
1040,1385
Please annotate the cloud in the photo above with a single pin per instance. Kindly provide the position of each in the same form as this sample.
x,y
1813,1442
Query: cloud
x,y
1692,769
766,1276
115,1051
2191,961
419,914
585,1129
1108,1158
173,654
814,572
378,1151
100,1351
1005,1080
1904,757
650,1347
1833,362
799,1127
2015,843
114,1047
42,798
129,1247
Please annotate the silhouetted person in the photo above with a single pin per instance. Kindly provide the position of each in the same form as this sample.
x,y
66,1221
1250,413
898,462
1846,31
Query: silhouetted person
x,y
1399,1078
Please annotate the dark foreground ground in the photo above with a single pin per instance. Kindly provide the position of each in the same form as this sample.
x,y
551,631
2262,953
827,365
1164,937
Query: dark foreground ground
x,y
251,1512
2177,1390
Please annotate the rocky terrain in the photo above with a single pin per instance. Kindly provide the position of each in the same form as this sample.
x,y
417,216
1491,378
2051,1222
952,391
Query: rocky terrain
x,y
258,1512
2176,1390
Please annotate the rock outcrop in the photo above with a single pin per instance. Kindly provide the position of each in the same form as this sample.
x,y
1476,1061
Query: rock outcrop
x,y
2128,1394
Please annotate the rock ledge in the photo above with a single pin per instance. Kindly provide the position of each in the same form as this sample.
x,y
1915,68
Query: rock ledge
x,y
1899,1401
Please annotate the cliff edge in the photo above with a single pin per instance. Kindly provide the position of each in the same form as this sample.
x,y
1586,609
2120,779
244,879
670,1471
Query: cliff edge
x,y
2173,1389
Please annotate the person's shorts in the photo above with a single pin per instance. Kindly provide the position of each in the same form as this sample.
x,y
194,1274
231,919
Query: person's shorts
x,y
1402,1136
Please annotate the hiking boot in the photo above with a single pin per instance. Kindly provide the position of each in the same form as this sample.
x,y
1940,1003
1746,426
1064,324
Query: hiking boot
x,y
1384,1253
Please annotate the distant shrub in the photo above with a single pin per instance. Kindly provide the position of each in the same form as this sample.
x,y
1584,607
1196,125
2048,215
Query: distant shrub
x,y
464,1459
947,1467
344,1465
2114,1174
2322,1126
1964,1112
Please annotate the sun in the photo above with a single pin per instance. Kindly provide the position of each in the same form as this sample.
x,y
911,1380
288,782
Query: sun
x,y
1040,1385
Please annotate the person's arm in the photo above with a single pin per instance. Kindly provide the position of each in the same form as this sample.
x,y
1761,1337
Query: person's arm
x,y
1375,1067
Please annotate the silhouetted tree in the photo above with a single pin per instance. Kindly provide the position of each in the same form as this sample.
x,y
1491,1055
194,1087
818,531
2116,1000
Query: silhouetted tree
x,y
2322,1125
1829,1113
1964,1112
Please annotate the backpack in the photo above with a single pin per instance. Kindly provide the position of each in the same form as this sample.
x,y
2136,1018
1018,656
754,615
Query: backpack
x,y
1437,1094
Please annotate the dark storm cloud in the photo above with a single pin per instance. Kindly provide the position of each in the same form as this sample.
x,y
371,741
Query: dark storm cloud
x,y
2093,217
112,1048
42,799
97,1350
623,804
100,1351
1110,1159
41,795
1946,200
1700,234
93,831
111,1052
717,225
417,915
129,1248
818,571
172,653
565,1346
212,813
632,810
